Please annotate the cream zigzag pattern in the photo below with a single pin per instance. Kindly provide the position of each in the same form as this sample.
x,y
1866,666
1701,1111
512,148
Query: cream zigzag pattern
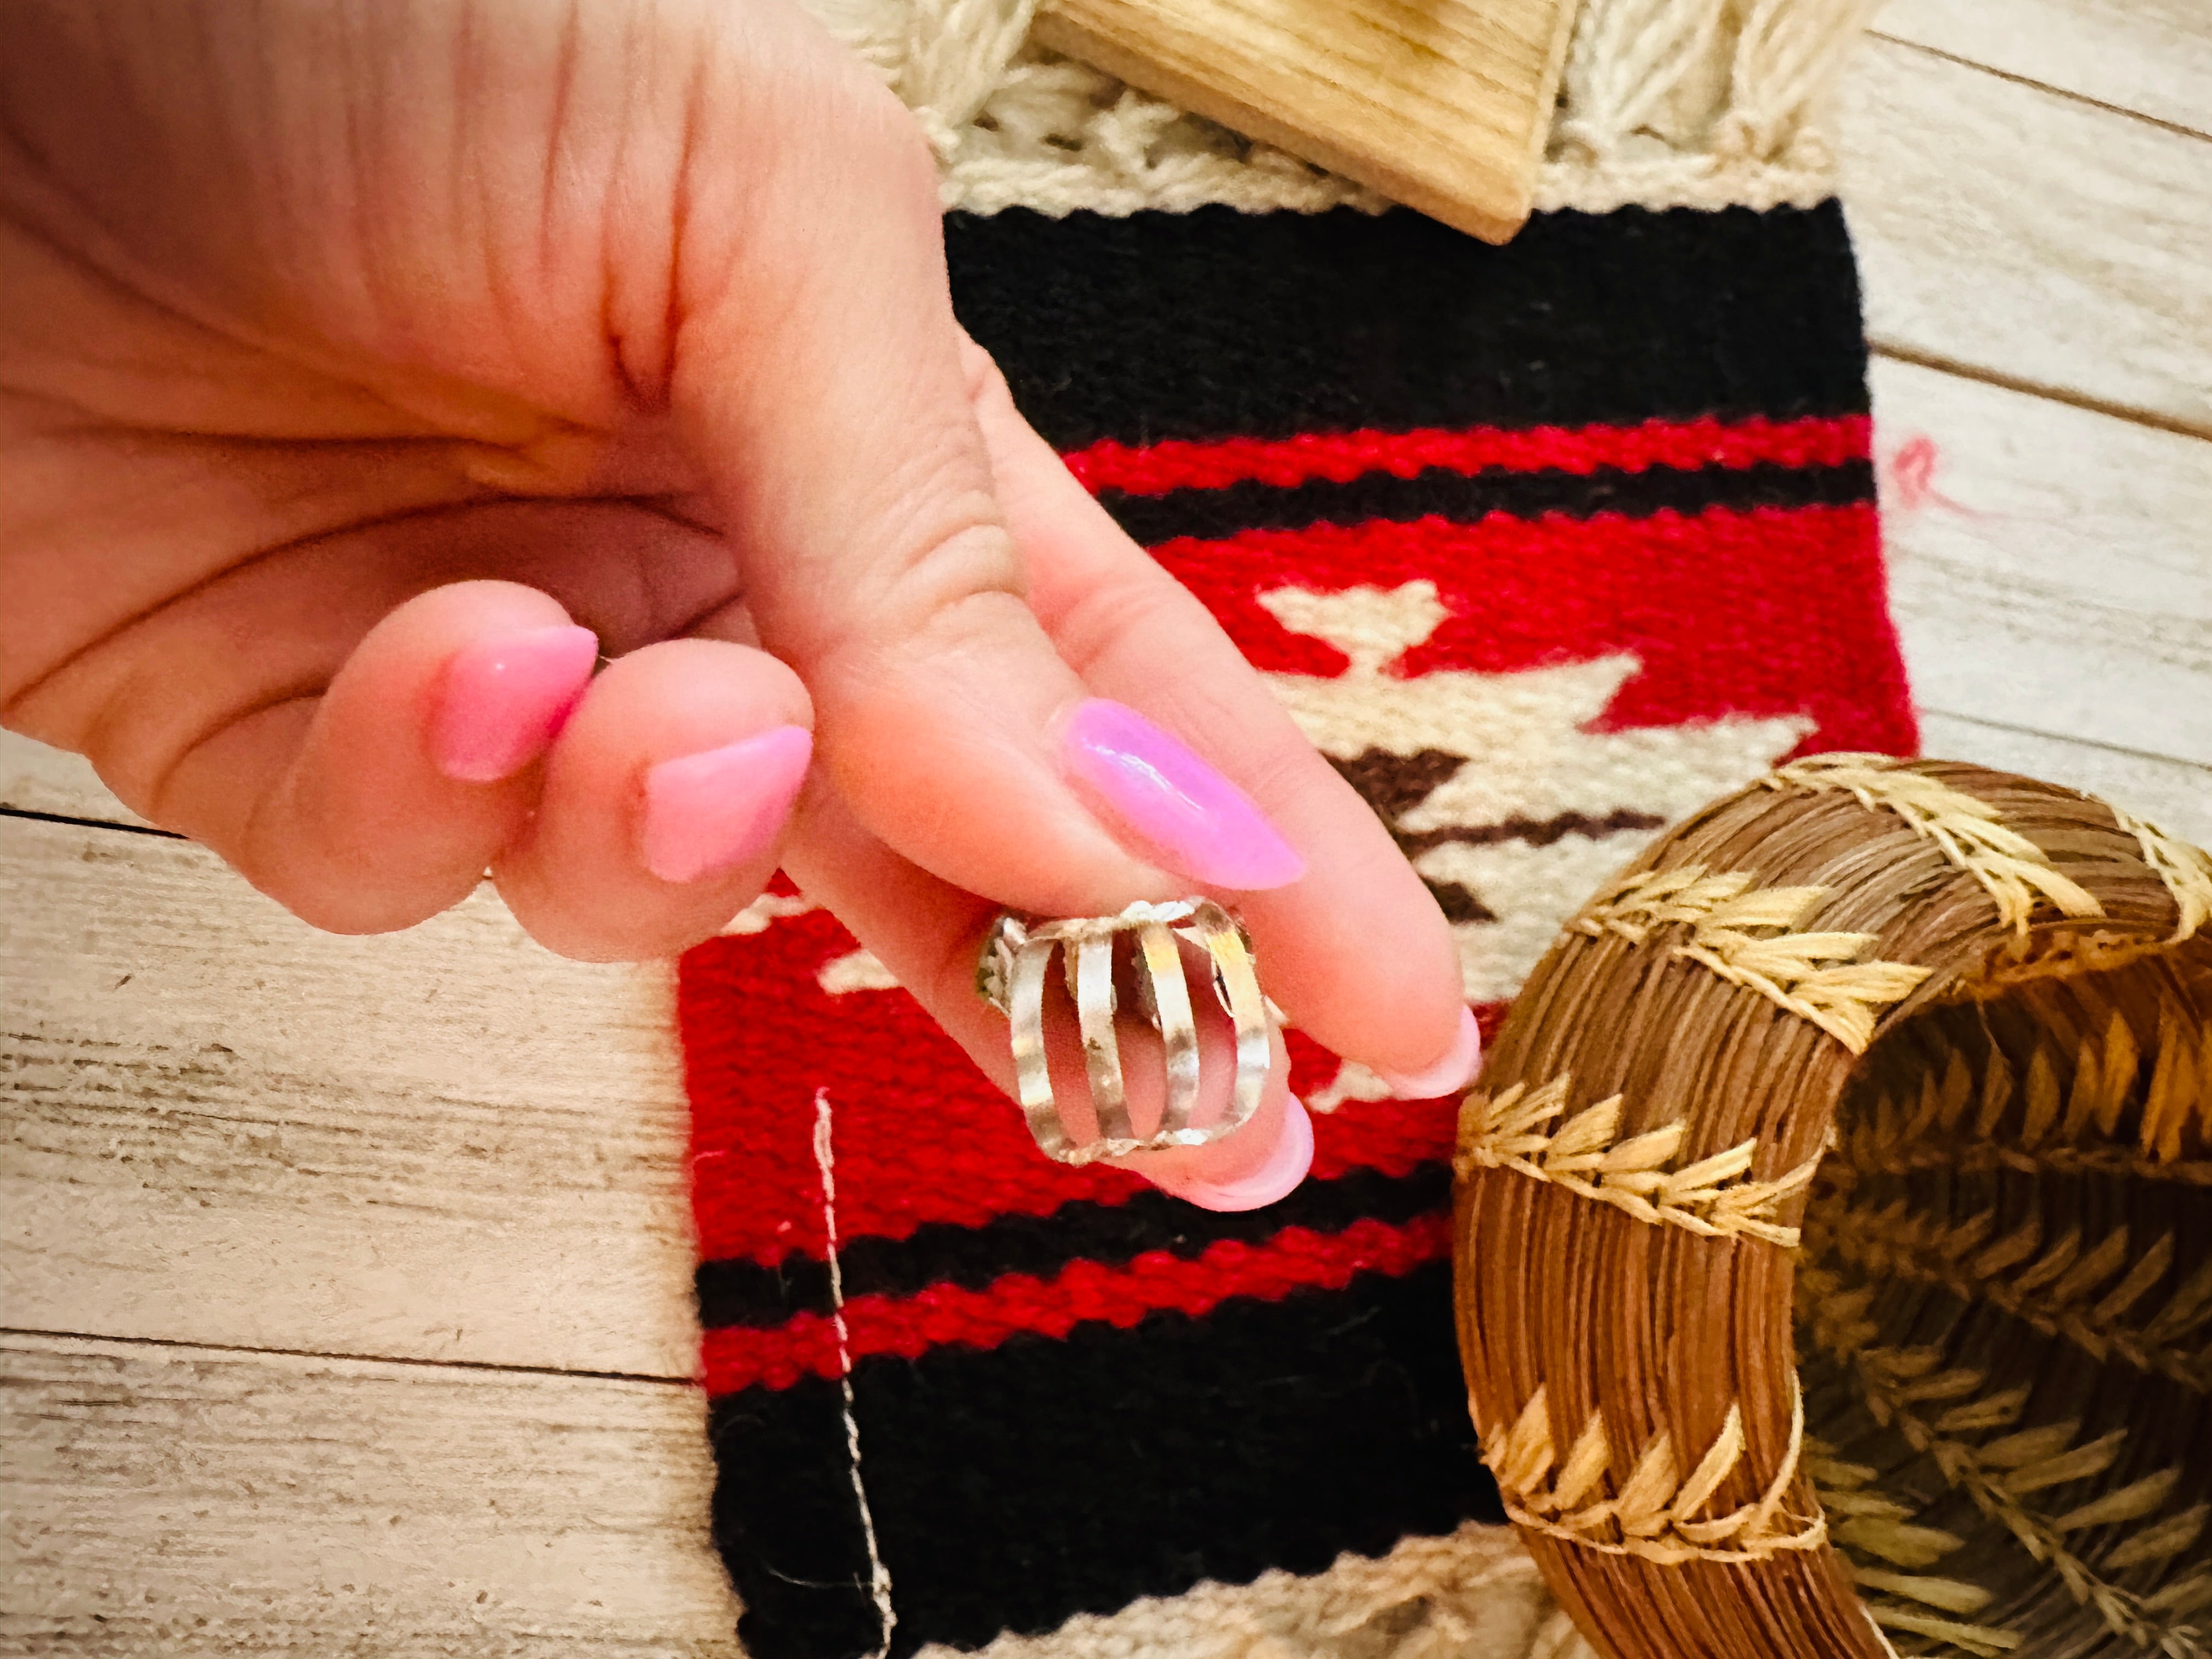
x,y
1878,1536
1747,936
2185,870
1636,906
1586,1156
2010,867
2061,1290
1958,1124
1945,1412
1654,1513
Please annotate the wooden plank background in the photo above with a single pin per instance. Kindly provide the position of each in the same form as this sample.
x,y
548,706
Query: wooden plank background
x,y
347,1312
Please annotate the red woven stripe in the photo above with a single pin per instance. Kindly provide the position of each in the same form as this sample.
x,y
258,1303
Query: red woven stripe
x,y
1181,464
1762,612
1293,1260
1773,610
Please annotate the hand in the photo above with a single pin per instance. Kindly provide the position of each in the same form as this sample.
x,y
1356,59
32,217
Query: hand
x,y
359,356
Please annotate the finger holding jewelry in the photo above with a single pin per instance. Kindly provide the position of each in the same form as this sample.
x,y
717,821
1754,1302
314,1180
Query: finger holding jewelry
x,y
934,939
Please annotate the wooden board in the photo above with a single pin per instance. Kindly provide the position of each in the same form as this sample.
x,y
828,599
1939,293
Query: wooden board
x,y
2049,566
167,1501
189,1501
307,1175
1443,105
2153,57
224,1126
2029,237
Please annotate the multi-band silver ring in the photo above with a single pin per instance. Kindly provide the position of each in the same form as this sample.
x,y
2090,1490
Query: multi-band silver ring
x,y
1012,975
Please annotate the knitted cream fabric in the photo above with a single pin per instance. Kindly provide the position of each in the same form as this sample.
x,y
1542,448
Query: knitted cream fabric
x,y
1664,103
1472,1594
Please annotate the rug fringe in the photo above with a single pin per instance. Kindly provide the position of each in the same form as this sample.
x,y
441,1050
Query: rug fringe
x,y
1664,103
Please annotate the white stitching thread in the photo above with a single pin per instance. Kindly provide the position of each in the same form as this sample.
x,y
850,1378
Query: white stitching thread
x,y
879,1578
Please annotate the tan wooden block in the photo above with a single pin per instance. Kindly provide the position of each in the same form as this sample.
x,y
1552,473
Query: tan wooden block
x,y
1443,104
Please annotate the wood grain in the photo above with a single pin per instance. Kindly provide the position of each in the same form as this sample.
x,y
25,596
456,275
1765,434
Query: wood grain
x,y
2151,56
186,1501
224,1126
1443,104
2048,565
2028,237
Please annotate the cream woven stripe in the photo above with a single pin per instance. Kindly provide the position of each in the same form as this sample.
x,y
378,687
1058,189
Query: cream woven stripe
x,y
1471,1591
1664,103
1747,935
2185,870
2011,868
2091,1293
1587,1156
1654,1513
1947,1412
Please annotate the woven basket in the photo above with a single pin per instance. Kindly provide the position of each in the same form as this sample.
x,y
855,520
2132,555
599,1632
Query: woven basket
x,y
1834,1237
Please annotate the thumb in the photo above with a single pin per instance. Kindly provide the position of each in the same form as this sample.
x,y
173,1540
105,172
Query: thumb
x,y
822,381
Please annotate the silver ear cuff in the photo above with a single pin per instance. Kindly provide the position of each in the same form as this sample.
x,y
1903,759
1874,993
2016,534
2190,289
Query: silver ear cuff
x,y
1011,975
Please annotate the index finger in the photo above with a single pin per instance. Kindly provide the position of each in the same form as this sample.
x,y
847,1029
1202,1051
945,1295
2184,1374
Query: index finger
x,y
1357,952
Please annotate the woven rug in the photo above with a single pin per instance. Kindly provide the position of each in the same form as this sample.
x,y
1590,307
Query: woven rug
x,y
1544,546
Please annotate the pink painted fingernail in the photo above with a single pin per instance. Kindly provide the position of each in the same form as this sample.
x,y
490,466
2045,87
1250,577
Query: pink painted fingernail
x,y
1448,1075
724,807
504,700
1282,1169
1184,813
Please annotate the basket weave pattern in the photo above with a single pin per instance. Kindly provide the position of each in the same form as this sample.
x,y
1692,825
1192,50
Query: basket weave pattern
x,y
1834,1245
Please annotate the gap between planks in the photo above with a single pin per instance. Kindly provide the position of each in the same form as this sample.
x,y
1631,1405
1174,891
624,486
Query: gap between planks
x,y
2087,99
2027,235
1982,376
2046,567
2148,58
116,823
183,1499
503,1368
224,1127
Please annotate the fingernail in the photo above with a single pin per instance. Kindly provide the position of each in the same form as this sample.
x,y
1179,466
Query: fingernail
x,y
723,807
504,701
1184,813
1448,1075
1276,1175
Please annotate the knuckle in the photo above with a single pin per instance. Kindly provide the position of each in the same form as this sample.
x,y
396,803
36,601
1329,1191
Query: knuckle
x,y
1111,616
945,572
986,382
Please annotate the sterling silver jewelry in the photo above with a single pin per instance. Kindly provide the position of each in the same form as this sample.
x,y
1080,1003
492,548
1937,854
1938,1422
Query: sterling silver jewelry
x,y
1011,976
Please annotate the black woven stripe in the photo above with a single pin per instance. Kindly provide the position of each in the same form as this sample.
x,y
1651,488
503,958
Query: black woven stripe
x,y
746,1293
1014,1487
1215,323
786,1525
1465,497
